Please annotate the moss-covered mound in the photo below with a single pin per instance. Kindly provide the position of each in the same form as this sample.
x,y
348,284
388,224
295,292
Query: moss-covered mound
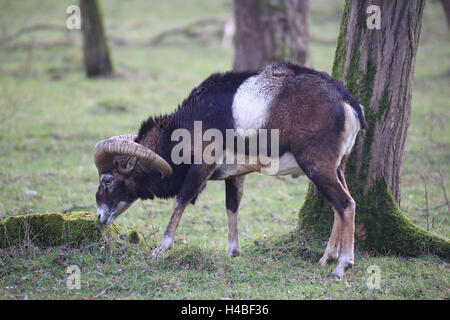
x,y
188,256
52,229
135,237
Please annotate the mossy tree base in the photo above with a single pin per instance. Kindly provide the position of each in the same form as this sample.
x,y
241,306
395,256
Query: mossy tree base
x,y
377,67
380,225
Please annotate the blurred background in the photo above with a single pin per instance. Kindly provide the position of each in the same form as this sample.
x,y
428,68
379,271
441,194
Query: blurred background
x,y
52,114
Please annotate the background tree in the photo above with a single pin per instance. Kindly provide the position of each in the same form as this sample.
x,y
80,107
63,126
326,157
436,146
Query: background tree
x,y
446,6
377,67
97,60
268,31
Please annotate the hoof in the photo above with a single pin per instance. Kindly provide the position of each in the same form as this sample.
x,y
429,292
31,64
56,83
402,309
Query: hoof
x,y
326,260
340,270
335,277
233,249
233,253
159,252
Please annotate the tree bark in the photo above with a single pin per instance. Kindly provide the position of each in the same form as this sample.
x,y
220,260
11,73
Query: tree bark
x,y
97,60
377,66
270,30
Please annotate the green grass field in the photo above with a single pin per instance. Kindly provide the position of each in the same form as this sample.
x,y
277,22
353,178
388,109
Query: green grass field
x,y
51,116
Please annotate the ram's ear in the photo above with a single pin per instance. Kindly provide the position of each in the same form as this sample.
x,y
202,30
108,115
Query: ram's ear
x,y
128,165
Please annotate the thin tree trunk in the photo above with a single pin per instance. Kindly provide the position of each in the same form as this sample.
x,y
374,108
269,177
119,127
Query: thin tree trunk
x,y
270,30
377,67
97,60
446,6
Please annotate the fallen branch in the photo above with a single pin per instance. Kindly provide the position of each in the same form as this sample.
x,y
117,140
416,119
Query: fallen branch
x,y
188,30
31,29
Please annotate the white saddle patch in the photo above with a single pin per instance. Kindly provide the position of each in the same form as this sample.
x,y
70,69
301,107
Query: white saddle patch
x,y
251,101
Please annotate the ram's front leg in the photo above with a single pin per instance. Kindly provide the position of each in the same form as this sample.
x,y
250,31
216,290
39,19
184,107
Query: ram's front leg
x,y
195,180
233,191
169,235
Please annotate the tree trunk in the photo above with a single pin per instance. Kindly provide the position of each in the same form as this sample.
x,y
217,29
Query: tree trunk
x,y
377,67
446,6
97,61
270,30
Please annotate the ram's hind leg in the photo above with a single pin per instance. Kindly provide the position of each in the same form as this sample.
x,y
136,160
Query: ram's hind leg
x,y
233,190
332,251
328,181
346,254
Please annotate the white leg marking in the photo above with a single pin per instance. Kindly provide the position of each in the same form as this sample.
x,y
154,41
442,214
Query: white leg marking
x,y
346,254
233,248
332,251
166,244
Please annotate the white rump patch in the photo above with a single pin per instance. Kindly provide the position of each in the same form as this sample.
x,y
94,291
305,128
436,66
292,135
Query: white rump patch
x,y
251,101
351,129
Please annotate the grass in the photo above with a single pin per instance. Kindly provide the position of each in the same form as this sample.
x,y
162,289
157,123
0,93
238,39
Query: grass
x,y
51,117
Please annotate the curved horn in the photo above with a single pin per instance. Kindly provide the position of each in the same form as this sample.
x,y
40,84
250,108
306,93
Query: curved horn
x,y
105,151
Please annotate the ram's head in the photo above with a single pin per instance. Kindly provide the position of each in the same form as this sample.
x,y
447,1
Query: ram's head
x,y
115,159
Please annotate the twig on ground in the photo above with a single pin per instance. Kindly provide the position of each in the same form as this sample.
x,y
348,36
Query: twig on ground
x,y
151,234
154,231
443,189
423,176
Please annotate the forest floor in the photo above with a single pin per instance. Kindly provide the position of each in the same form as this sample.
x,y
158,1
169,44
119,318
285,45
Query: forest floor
x,y
51,117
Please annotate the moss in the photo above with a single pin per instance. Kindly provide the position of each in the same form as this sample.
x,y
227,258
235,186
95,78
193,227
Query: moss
x,y
353,73
366,89
388,230
362,16
356,178
135,237
316,214
339,56
192,257
52,229
380,224
383,105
